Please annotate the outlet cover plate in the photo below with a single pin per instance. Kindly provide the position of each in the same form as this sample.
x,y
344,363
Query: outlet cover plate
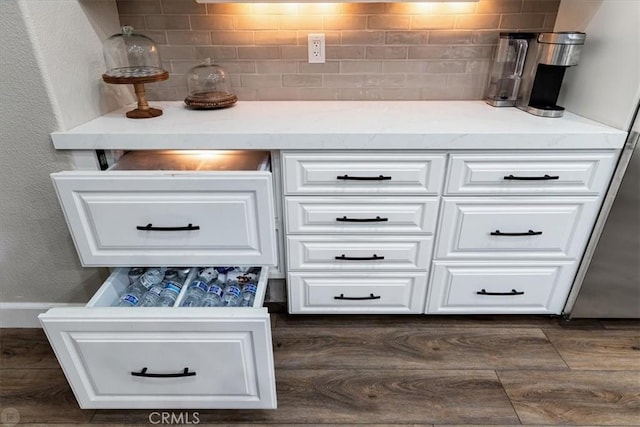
x,y
316,48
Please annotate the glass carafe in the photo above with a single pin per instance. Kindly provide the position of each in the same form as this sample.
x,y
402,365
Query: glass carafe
x,y
506,72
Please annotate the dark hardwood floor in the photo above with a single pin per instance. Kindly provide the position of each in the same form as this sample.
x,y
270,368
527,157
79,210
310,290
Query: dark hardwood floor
x,y
388,371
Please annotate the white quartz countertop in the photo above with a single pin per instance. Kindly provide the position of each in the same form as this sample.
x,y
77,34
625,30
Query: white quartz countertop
x,y
371,125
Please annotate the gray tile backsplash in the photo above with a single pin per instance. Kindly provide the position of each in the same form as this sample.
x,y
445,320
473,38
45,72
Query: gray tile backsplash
x,y
374,50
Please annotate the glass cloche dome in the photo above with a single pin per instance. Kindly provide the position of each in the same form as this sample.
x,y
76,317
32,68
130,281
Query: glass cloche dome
x,y
131,55
209,87
133,59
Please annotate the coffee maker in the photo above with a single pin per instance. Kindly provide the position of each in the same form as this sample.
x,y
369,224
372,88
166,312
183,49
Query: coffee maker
x,y
547,59
506,72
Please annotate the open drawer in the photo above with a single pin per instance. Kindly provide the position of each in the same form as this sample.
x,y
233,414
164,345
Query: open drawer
x,y
171,357
172,208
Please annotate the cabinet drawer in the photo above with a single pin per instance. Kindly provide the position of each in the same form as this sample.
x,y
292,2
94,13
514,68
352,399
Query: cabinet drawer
x,y
495,288
226,351
146,218
355,215
352,293
516,228
363,173
530,173
370,253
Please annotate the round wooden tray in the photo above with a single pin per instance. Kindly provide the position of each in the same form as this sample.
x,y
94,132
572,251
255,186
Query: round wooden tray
x,y
210,100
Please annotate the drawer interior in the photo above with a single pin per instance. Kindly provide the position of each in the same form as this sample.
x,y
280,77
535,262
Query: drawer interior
x,y
118,281
193,160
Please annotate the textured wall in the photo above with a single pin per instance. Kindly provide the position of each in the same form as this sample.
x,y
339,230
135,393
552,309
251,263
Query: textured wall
x,y
374,50
38,262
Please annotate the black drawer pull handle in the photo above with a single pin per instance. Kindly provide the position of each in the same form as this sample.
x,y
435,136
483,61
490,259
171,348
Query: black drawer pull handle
x,y
513,292
143,373
371,296
150,227
531,178
376,219
527,233
343,257
364,178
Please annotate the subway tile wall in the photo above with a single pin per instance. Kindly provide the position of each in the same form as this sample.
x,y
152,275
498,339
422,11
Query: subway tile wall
x,y
373,50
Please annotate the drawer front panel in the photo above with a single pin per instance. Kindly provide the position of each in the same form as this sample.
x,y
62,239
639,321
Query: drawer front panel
x,y
129,218
483,288
360,173
352,293
530,173
370,253
355,215
228,349
519,228
227,352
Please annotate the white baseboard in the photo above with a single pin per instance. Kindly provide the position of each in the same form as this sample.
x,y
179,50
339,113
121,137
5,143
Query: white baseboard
x,y
25,314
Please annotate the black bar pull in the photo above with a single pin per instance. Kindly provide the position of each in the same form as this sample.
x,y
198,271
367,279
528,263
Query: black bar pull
x,y
343,257
143,373
150,227
363,178
513,292
527,233
371,296
376,219
531,178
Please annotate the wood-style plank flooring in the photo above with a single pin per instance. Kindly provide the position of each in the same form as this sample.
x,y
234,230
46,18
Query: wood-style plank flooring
x,y
389,371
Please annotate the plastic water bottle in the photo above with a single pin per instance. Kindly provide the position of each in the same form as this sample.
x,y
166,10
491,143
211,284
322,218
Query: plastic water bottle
x,y
133,294
135,273
169,294
232,293
199,287
248,294
213,297
183,272
152,296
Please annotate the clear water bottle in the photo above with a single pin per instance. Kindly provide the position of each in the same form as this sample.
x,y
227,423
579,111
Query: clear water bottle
x,y
248,294
133,294
232,294
169,294
171,275
213,297
199,287
152,296
183,272
135,273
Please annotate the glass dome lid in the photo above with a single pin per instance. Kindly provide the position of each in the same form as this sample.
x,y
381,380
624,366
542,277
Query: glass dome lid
x,y
133,59
131,55
209,87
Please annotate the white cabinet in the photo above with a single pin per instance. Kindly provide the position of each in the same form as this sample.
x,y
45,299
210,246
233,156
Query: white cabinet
x,y
356,292
348,172
532,173
184,213
513,228
499,287
359,229
169,218
171,357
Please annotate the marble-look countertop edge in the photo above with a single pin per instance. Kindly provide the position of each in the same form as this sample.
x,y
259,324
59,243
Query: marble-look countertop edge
x,y
427,125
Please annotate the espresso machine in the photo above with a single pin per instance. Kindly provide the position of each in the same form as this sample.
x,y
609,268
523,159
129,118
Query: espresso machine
x,y
506,72
547,59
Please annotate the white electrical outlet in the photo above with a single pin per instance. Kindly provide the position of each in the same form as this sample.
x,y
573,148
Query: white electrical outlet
x,y
316,48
